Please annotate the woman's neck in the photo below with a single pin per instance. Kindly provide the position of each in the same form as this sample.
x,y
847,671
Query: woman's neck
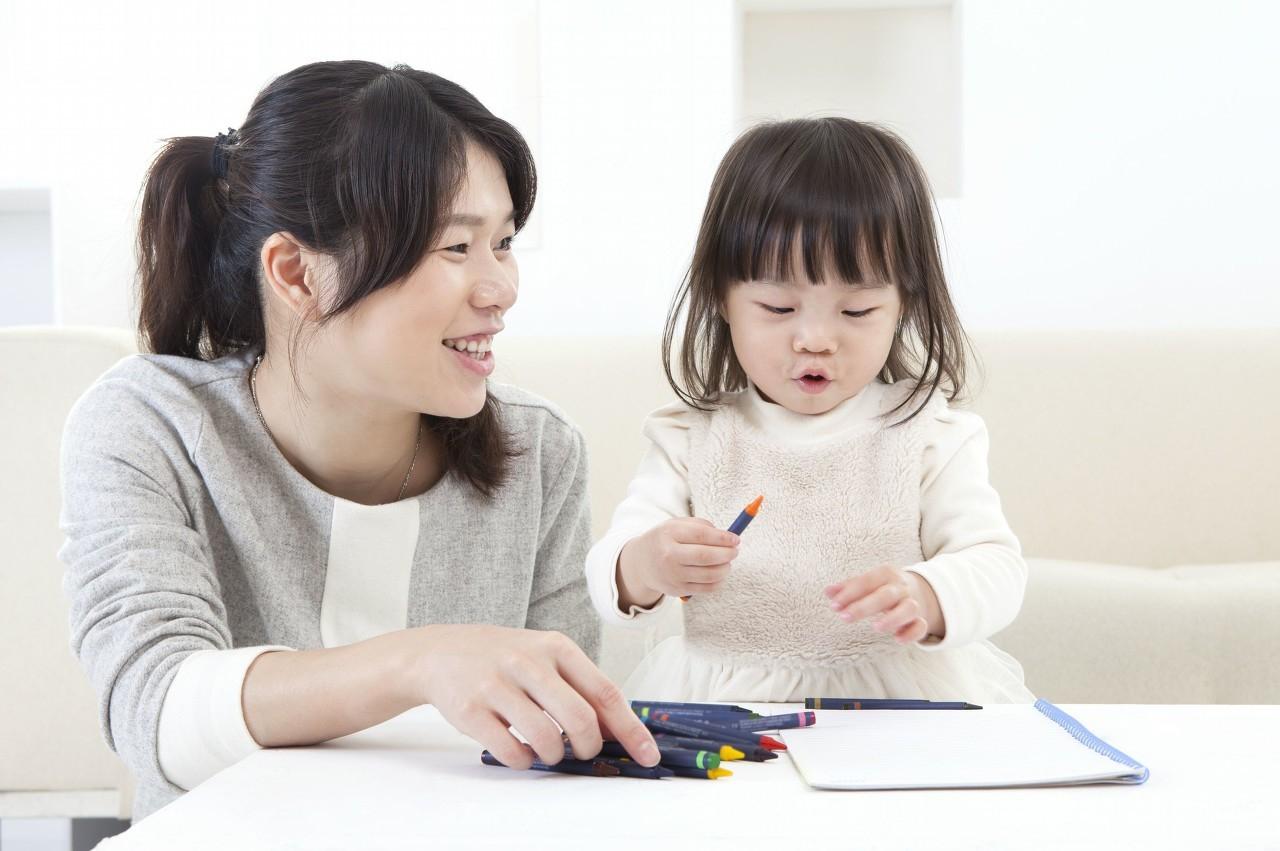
x,y
346,446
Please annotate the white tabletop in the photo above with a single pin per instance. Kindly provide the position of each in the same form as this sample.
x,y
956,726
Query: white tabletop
x,y
414,782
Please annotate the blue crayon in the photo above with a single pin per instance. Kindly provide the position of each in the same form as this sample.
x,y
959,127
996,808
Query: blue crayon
x,y
710,716
670,704
670,756
695,729
726,750
588,767
743,520
631,769
789,721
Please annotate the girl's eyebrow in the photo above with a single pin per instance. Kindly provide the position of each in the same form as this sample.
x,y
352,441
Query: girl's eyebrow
x,y
474,221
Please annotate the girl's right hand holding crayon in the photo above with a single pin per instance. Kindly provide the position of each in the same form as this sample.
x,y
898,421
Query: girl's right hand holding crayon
x,y
677,558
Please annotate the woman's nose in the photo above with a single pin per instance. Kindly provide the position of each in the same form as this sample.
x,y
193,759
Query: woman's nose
x,y
497,288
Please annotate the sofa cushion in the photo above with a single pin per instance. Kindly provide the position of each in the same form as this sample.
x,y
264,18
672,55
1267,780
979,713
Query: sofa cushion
x,y
1107,633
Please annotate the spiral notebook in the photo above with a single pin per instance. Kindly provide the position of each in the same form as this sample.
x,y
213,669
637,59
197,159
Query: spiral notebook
x,y
1000,746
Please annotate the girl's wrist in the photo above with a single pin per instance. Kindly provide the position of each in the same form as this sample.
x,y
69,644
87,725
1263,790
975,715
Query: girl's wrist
x,y
927,600
631,591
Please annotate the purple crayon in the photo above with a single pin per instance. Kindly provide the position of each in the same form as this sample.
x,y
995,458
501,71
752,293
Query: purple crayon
x,y
789,721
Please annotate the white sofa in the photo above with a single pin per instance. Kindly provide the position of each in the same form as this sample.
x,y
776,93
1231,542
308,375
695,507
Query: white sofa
x,y
1141,472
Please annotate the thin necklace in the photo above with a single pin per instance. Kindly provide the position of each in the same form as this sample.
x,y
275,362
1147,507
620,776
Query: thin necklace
x,y
253,391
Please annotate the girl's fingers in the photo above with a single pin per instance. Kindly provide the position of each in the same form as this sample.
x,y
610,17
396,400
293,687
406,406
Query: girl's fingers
x,y
702,532
899,616
848,592
698,555
912,632
879,600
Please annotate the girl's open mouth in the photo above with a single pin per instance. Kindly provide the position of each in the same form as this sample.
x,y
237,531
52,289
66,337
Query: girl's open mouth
x,y
811,383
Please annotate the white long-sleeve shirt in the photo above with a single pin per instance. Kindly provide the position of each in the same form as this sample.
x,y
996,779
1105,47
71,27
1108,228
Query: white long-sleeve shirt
x,y
972,561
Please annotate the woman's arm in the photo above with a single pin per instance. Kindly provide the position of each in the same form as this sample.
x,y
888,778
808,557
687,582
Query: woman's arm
x,y
482,679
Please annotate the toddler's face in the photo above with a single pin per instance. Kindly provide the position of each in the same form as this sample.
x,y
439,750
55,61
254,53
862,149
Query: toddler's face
x,y
810,347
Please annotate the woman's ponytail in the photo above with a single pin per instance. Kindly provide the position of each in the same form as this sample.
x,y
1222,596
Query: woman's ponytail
x,y
183,310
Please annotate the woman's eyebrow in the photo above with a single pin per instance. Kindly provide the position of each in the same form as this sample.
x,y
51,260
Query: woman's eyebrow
x,y
474,221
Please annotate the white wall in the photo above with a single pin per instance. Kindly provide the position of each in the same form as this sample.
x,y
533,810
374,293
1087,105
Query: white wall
x,y
1117,163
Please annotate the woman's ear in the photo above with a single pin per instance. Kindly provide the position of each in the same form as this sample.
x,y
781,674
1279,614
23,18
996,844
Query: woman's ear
x,y
291,272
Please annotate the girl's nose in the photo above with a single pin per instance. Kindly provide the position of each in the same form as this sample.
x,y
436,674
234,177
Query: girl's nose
x,y
815,340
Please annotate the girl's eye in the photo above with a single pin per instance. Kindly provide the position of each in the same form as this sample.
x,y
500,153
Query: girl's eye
x,y
460,248
776,310
505,244
858,314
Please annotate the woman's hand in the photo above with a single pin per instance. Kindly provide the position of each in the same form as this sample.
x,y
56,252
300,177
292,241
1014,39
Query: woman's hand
x,y
486,679
904,601
678,557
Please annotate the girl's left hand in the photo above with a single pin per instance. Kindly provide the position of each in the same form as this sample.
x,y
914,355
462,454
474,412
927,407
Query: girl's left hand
x,y
904,602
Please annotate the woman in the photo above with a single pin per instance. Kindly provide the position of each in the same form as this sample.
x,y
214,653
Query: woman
x,y
312,461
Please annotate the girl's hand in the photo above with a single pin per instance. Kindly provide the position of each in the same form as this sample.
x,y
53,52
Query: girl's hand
x,y
678,557
486,679
904,602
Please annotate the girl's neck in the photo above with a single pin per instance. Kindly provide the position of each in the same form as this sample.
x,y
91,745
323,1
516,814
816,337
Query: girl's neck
x,y
346,446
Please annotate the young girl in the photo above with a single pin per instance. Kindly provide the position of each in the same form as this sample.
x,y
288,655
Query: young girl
x,y
819,351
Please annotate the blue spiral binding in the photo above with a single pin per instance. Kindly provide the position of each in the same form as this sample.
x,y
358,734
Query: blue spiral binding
x,y
1089,740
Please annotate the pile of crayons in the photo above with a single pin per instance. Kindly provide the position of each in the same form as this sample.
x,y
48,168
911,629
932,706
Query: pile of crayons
x,y
694,740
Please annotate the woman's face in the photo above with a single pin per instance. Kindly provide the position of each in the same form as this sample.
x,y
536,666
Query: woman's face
x,y
424,344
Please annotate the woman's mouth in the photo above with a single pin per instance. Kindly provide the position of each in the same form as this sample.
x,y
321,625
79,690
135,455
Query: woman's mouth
x,y
472,353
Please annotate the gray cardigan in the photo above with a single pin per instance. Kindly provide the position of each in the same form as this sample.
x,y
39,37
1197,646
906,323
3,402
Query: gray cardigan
x,y
186,530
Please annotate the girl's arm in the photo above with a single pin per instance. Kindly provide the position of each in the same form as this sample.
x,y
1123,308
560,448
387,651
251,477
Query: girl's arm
x,y
973,561
658,492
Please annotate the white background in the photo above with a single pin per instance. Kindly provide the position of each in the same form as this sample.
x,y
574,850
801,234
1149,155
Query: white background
x,y
1110,164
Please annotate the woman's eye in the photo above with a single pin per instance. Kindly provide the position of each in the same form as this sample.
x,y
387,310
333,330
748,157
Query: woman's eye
x,y
858,314
776,310
505,244
460,248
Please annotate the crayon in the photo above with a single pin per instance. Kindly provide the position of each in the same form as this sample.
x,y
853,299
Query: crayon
x,y
590,768
670,705
689,727
671,756
741,522
631,769
726,752
883,703
703,774
707,716
789,721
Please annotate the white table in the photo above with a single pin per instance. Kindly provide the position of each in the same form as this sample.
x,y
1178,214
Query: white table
x,y
414,782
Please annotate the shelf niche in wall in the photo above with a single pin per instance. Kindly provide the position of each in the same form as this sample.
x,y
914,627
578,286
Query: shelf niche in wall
x,y
26,258
896,64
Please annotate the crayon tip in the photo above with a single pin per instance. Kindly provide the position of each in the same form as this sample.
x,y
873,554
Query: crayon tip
x,y
727,752
717,773
772,744
755,505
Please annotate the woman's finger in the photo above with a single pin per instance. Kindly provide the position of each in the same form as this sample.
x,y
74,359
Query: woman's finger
x,y
525,715
493,735
570,710
611,708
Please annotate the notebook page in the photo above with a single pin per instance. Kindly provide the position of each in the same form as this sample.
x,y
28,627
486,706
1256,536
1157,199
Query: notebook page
x,y
1001,745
